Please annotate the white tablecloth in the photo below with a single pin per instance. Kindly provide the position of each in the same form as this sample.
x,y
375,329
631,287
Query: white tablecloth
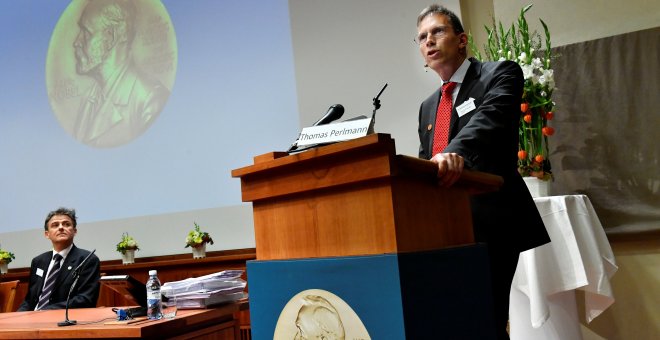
x,y
542,301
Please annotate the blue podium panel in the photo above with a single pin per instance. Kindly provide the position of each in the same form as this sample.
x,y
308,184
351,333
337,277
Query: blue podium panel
x,y
442,294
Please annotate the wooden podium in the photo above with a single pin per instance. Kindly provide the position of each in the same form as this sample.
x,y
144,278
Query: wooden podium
x,y
355,198
355,202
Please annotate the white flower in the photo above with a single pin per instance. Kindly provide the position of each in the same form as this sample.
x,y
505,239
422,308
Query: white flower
x,y
523,58
536,62
547,78
543,94
528,71
501,59
535,79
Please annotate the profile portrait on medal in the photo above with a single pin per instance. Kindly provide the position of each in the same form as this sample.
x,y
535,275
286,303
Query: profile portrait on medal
x,y
319,314
123,61
318,319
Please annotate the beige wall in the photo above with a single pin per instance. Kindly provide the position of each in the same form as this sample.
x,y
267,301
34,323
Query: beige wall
x,y
475,14
636,285
572,21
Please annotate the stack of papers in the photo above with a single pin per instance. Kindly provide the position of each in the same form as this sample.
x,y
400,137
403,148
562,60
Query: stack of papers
x,y
206,291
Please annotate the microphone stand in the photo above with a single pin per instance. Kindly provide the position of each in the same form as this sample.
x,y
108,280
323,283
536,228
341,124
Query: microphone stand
x,y
76,276
376,103
66,321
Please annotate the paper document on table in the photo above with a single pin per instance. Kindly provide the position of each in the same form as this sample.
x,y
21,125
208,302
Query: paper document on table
x,y
209,301
202,294
211,282
205,291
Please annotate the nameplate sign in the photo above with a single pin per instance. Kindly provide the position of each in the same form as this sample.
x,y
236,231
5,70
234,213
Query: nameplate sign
x,y
334,132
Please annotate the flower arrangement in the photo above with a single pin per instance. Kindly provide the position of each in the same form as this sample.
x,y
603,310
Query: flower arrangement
x,y
197,238
127,243
6,256
537,108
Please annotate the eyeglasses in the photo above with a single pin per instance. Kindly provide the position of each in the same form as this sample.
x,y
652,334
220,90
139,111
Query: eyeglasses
x,y
436,33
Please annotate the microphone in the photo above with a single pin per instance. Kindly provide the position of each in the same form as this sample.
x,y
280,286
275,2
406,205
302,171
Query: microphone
x,y
334,112
76,276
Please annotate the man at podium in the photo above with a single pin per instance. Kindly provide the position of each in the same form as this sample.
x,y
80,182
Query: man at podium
x,y
471,122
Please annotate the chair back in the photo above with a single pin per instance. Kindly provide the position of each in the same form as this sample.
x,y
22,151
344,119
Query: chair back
x,y
7,295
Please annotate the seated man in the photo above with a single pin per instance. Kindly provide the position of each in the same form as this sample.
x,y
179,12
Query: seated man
x,y
51,273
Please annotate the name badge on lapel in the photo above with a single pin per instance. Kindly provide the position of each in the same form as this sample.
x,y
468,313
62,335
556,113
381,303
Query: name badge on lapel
x,y
40,272
466,107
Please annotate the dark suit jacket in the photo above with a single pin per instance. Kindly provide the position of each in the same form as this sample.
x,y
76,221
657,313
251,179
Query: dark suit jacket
x,y
87,288
487,138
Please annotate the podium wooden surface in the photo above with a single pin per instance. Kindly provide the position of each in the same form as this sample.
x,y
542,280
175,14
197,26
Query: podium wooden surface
x,y
215,323
355,198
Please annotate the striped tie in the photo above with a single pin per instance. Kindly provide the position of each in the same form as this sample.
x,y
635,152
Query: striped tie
x,y
50,283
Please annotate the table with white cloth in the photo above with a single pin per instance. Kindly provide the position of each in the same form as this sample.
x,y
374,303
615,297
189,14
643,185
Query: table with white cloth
x,y
543,301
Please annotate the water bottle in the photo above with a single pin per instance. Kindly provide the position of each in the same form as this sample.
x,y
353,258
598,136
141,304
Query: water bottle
x,y
154,305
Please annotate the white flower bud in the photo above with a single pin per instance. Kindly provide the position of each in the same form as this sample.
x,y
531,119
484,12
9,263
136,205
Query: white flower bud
x,y
528,71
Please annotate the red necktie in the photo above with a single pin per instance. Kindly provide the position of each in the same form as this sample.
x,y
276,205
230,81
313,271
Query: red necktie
x,y
443,118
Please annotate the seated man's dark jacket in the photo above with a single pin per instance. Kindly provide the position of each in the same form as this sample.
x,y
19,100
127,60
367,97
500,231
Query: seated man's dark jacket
x,y
84,295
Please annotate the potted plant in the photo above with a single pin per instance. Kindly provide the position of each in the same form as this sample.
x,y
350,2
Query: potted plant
x,y
5,258
197,240
518,44
127,247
